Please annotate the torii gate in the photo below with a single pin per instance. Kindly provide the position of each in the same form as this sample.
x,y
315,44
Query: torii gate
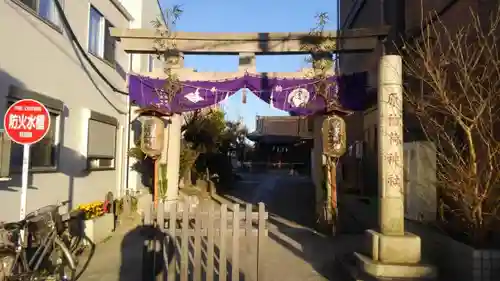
x,y
383,257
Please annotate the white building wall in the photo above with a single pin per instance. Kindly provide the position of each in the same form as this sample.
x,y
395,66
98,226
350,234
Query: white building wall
x,y
37,57
143,13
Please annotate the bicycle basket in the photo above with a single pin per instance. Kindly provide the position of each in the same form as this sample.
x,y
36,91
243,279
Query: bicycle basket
x,y
6,239
41,220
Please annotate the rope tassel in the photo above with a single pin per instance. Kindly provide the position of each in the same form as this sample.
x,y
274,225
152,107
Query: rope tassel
x,y
244,96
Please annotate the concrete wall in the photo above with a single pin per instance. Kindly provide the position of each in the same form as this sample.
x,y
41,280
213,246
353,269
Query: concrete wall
x,y
38,57
456,261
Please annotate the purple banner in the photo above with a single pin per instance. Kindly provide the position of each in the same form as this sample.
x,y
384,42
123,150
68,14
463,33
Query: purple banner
x,y
293,95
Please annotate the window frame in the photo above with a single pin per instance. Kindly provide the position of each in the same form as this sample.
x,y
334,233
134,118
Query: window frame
x,y
150,63
55,24
55,107
94,161
104,40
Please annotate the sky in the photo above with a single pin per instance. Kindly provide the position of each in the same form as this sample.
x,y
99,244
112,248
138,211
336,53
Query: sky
x,y
250,16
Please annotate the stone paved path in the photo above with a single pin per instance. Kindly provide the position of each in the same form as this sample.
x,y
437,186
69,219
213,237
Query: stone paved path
x,y
294,250
117,259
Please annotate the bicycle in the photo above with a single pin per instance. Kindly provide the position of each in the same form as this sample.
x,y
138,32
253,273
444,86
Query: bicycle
x,y
37,250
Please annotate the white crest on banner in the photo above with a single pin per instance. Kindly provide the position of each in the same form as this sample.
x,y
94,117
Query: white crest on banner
x,y
194,97
299,97
278,89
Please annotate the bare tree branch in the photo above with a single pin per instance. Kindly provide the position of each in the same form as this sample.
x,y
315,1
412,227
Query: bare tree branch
x,y
453,92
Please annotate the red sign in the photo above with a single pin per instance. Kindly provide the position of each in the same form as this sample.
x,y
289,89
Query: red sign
x,y
26,121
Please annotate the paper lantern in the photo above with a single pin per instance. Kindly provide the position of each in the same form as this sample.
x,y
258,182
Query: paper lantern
x,y
334,136
152,135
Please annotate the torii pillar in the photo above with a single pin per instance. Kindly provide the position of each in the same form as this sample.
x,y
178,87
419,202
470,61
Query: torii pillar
x,y
172,146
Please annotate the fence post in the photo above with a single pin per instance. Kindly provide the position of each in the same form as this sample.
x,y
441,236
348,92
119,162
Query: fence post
x,y
236,242
222,246
197,245
172,228
249,239
159,236
260,241
147,259
210,243
185,242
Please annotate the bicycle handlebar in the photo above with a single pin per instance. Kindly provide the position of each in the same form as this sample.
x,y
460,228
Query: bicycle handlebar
x,y
62,203
25,220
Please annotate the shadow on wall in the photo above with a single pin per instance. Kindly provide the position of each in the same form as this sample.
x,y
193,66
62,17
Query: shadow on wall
x,y
64,156
38,196
5,81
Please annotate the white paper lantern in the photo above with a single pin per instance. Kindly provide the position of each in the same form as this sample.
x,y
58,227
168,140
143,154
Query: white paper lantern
x,y
152,135
334,136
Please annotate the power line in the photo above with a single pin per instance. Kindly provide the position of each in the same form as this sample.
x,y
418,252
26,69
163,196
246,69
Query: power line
x,y
87,58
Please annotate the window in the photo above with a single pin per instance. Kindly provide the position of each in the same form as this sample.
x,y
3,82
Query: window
x,y
46,9
43,154
101,148
101,44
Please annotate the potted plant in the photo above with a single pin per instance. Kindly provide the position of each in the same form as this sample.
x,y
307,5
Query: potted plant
x,y
98,224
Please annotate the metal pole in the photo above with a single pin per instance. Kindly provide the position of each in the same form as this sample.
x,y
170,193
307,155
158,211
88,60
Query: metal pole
x,y
24,180
24,185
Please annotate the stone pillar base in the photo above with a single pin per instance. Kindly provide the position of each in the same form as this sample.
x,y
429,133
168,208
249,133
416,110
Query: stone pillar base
x,y
391,256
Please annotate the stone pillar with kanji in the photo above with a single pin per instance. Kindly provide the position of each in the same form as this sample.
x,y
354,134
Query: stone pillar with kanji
x,y
392,252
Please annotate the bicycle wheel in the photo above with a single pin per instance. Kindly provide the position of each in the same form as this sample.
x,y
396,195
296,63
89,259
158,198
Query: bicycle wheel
x,y
7,262
13,266
64,263
71,242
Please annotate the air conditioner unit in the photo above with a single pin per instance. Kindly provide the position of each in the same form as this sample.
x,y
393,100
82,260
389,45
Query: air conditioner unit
x,y
420,181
